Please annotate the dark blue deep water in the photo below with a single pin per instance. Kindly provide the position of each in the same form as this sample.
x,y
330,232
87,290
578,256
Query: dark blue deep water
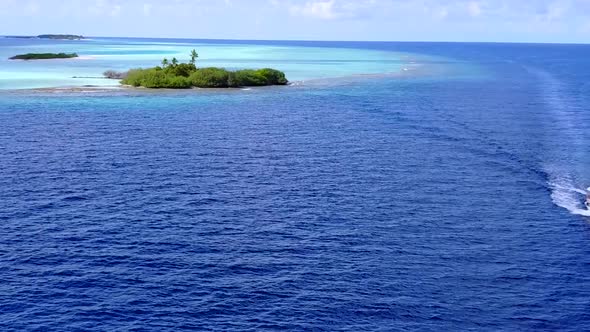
x,y
443,202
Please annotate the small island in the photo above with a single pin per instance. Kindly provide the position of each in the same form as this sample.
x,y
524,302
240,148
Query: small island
x,y
175,75
44,56
61,37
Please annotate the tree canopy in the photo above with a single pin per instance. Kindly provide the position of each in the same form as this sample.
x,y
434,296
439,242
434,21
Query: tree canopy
x,y
44,56
176,75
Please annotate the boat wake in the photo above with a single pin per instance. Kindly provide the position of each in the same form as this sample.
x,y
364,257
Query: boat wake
x,y
567,195
565,171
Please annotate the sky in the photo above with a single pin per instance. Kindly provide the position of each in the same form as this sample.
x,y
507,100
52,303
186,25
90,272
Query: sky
x,y
557,21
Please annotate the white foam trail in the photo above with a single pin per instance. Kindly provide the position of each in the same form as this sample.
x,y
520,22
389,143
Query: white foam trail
x,y
565,191
566,195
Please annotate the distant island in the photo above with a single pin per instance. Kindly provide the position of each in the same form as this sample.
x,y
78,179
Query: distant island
x,y
56,37
66,37
44,56
175,75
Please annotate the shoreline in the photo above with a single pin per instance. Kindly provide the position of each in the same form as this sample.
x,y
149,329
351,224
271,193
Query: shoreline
x,y
413,71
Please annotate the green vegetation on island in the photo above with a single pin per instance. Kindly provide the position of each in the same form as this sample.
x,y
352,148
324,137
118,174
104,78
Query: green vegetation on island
x,y
61,37
57,37
44,56
175,75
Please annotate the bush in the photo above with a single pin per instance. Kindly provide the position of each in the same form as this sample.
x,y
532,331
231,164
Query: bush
x,y
155,78
182,69
134,77
210,78
260,77
273,76
177,82
248,77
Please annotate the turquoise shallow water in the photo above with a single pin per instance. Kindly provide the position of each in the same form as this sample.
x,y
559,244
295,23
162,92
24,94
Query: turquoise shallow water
x,y
97,55
445,201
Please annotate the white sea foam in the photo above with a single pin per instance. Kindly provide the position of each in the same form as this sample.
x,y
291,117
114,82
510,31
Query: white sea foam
x,y
567,195
296,83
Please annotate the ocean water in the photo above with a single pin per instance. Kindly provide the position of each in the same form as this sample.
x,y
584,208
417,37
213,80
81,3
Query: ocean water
x,y
445,199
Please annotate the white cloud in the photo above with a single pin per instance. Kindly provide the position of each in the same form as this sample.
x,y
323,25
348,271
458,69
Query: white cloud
x,y
333,9
147,9
441,13
557,10
474,9
317,9
115,10
32,8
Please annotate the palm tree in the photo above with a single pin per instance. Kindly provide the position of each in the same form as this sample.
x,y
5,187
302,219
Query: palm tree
x,y
174,62
165,63
194,56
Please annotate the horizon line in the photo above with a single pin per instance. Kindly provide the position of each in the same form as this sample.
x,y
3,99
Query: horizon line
x,y
320,40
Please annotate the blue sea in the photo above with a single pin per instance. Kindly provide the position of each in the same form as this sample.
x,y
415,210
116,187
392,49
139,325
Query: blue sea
x,y
392,187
